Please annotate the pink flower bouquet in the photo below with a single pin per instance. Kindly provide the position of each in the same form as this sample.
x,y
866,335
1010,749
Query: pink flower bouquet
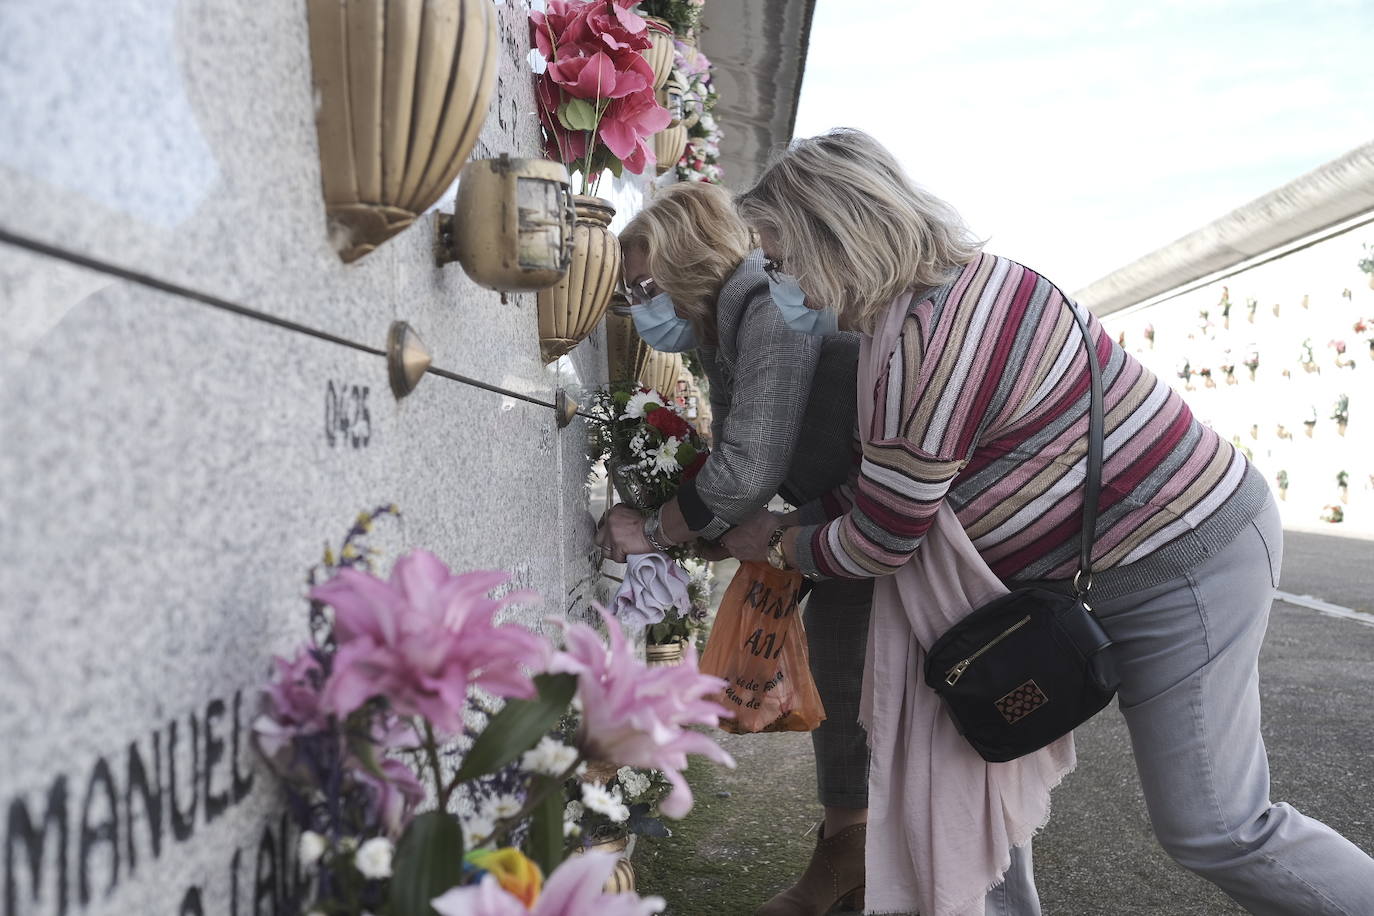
x,y
596,96
393,691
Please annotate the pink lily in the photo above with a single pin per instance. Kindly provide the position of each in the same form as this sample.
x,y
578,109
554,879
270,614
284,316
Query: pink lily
x,y
635,715
574,889
421,638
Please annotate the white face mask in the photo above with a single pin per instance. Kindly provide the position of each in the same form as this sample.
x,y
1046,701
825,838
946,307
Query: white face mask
x,y
791,301
658,322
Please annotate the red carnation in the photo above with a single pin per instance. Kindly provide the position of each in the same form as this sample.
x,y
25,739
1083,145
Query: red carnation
x,y
669,423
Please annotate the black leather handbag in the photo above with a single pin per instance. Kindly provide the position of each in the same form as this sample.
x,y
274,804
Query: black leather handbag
x,y
1031,666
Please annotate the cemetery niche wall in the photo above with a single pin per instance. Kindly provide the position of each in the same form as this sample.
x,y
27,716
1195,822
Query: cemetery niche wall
x,y
1279,359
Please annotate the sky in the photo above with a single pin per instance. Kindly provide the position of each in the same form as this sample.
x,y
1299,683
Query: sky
x,y
1078,135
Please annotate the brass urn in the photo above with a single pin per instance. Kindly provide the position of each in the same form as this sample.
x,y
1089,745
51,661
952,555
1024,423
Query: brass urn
x,y
571,308
660,372
660,53
669,145
402,91
626,351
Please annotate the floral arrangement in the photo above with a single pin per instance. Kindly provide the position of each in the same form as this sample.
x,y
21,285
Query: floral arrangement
x,y
701,159
596,98
1333,514
1252,362
1339,347
1341,412
1251,304
1342,480
1228,367
1149,333
683,15
1366,263
607,803
648,446
1225,305
1205,373
1282,479
1306,358
1185,372
398,688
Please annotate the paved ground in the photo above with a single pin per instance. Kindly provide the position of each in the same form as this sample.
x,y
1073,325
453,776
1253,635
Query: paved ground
x,y
746,838
1335,569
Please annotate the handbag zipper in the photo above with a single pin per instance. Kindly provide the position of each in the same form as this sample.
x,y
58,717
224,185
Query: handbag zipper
x,y
953,674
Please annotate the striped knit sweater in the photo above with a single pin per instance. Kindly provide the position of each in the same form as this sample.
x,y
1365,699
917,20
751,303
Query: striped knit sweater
x,y
985,404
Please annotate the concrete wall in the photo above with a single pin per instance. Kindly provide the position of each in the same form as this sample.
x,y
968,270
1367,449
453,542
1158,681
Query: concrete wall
x,y
166,469
1323,274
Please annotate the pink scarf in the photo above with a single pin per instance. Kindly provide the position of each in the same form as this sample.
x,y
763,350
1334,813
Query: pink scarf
x,y
942,821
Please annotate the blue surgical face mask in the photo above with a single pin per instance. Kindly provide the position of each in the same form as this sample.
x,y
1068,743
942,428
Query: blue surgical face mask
x,y
661,326
791,301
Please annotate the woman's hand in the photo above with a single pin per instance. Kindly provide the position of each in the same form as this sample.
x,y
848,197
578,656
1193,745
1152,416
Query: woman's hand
x,y
621,533
705,550
749,539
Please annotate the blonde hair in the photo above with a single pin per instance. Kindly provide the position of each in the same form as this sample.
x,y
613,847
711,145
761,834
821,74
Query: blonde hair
x,y
694,240
852,227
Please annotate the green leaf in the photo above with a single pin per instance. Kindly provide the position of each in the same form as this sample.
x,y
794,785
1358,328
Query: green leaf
x,y
546,830
685,453
650,408
518,726
577,114
615,165
429,861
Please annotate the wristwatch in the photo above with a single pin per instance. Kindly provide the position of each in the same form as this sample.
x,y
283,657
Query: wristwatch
x,y
653,533
776,558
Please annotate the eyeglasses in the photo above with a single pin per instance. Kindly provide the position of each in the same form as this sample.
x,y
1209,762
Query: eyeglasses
x,y
641,292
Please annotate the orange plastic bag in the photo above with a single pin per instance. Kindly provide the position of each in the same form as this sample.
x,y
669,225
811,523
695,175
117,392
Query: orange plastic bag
x,y
758,645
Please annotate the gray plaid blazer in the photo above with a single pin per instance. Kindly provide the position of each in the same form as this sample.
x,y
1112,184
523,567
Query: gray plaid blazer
x,y
783,409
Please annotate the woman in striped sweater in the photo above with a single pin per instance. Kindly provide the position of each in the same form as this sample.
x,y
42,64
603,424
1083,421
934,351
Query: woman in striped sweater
x,y
984,406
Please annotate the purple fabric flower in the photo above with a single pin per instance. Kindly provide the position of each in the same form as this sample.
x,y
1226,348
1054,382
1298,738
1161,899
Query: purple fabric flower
x,y
635,715
421,638
654,584
394,794
291,702
574,889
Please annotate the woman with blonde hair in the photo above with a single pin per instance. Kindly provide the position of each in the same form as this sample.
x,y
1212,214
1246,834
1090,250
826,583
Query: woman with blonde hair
x,y
782,423
978,413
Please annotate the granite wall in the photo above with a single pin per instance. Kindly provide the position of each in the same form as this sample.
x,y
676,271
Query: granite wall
x,y
193,406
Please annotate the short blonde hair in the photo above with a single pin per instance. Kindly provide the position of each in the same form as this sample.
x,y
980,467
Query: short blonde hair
x,y
694,241
853,228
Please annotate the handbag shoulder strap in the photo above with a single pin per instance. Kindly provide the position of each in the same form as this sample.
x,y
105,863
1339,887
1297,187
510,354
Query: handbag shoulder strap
x,y
1092,483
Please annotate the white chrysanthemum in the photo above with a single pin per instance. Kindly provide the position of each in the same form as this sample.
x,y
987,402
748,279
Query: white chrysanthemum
x,y
374,858
476,829
632,781
550,757
634,408
310,849
665,459
501,807
602,801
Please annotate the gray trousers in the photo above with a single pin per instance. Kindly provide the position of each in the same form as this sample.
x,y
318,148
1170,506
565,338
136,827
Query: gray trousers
x,y
836,620
1188,651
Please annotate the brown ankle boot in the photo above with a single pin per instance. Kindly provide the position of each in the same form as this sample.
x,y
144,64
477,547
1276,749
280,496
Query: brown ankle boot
x,y
835,875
